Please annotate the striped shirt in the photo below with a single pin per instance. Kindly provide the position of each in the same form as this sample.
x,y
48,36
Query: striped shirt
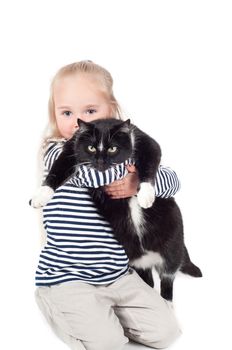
x,y
80,243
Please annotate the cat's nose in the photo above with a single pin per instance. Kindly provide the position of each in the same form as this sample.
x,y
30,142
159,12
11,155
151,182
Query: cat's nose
x,y
101,166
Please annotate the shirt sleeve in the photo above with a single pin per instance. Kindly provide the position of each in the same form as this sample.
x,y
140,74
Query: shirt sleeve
x,y
52,152
167,183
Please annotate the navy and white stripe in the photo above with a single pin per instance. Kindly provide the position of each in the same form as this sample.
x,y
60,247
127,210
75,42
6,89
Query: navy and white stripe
x,y
166,183
89,177
80,243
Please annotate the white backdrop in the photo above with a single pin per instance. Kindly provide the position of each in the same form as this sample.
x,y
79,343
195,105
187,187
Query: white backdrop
x,y
171,63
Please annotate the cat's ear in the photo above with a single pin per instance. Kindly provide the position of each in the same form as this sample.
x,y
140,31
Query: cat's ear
x,y
83,126
127,122
125,126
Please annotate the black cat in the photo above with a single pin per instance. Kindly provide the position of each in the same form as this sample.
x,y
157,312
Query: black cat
x,y
149,228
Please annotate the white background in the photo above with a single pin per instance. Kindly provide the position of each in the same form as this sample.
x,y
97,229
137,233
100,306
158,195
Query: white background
x,y
171,62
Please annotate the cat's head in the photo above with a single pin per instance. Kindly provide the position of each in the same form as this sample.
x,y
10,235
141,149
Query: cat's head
x,y
103,143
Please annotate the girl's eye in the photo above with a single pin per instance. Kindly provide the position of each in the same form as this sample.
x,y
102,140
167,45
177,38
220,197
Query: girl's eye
x,y
92,149
67,113
91,111
112,150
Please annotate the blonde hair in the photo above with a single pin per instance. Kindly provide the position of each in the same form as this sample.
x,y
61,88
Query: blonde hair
x,y
87,67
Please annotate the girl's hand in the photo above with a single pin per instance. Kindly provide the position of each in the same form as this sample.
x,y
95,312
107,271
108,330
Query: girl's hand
x,y
127,187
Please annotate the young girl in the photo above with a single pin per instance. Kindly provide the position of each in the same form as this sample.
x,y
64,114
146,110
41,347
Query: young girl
x,y
85,289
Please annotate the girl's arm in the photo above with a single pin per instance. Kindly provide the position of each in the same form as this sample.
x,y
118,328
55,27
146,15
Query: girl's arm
x,y
166,184
52,152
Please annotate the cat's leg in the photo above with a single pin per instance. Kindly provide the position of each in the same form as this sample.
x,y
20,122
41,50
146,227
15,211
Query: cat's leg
x,y
166,286
147,156
146,195
41,197
62,169
64,166
146,275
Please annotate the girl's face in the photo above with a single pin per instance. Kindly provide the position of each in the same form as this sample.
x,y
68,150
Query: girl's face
x,y
79,96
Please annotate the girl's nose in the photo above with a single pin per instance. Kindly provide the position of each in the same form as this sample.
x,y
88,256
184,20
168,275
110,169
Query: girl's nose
x,y
76,125
79,117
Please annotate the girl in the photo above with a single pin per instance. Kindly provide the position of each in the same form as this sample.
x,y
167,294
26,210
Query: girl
x,y
85,289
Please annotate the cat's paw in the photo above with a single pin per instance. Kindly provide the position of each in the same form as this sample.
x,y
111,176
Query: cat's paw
x,y
146,195
42,197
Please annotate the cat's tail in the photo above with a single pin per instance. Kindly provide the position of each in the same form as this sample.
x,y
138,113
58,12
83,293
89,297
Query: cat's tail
x,y
188,267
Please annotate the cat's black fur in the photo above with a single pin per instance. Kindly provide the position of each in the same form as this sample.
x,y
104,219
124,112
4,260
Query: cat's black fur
x,y
158,235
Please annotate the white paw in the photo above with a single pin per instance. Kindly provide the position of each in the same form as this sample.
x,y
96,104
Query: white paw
x,y
42,197
146,195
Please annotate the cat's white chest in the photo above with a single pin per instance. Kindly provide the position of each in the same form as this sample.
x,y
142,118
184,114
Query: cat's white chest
x,y
136,215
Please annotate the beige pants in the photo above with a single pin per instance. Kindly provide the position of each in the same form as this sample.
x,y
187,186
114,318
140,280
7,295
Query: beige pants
x,y
103,317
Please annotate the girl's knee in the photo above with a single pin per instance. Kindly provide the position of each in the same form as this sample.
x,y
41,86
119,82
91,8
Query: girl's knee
x,y
110,343
163,335
110,339
162,331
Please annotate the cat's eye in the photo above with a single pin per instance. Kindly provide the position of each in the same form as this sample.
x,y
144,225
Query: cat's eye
x,y
91,149
112,150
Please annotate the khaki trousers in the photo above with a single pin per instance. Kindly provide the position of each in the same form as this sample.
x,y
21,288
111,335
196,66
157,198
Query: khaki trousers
x,y
103,317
